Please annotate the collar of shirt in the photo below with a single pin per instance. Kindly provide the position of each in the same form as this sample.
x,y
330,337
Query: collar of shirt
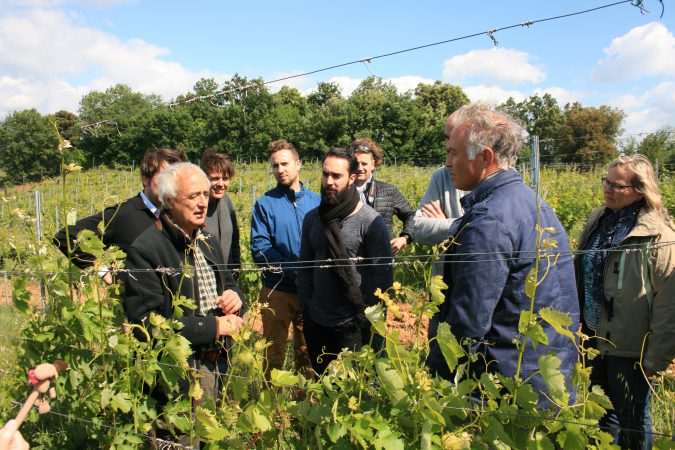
x,y
362,189
153,209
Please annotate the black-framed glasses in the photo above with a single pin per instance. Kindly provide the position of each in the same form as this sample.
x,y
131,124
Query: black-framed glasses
x,y
615,186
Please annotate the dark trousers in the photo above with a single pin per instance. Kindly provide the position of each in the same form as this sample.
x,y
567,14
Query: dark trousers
x,y
324,343
625,385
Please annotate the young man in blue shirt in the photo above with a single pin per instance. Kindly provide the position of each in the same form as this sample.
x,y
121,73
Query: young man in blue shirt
x,y
276,228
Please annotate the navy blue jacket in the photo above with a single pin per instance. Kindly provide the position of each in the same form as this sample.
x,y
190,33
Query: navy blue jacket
x,y
276,232
485,271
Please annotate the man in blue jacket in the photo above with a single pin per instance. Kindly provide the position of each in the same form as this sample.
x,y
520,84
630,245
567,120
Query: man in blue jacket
x,y
494,249
276,228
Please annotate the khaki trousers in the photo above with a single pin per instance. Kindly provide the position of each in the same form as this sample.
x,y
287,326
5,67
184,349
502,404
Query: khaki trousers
x,y
283,310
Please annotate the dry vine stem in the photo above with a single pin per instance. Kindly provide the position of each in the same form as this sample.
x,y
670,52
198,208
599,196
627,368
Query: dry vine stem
x,y
40,378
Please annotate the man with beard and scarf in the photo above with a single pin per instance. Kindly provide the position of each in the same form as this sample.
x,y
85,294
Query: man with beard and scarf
x,y
351,239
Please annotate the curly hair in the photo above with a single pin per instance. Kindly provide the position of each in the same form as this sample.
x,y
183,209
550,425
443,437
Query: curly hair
x,y
367,145
488,128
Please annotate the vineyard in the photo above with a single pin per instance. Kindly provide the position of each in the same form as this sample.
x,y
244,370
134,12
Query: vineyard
x,y
366,400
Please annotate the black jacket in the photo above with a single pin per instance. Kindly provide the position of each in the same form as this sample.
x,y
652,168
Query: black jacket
x,y
148,290
388,201
123,224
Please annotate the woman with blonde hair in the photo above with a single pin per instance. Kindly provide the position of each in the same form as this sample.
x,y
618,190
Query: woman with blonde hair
x,y
627,292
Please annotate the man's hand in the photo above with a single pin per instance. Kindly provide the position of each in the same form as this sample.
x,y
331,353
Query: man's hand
x,y
11,439
433,210
228,325
398,244
229,302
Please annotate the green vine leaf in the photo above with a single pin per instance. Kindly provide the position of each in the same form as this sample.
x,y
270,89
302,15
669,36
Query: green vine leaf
x,y
558,320
21,296
285,378
388,439
208,425
391,382
450,348
375,315
251,420
554,379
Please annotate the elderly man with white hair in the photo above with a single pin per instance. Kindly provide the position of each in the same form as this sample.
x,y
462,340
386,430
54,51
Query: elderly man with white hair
x,y
177,242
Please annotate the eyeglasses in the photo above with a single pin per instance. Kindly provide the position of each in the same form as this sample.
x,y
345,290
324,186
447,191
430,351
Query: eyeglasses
x,y
361,148
615,186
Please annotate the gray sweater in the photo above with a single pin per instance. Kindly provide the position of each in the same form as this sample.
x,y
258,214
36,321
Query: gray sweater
x,y
319,290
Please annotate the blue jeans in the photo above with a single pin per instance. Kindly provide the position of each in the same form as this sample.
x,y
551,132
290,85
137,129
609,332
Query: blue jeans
x,y
625,385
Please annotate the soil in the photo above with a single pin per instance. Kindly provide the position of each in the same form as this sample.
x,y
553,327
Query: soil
x,y
405,324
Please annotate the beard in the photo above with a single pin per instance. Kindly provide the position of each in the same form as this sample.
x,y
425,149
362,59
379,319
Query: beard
x,y
332,198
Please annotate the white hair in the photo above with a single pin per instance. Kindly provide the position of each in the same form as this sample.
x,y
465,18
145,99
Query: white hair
x,y
166,180
487,127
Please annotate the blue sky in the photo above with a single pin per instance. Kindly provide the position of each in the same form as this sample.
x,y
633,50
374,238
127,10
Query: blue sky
x,y
54,51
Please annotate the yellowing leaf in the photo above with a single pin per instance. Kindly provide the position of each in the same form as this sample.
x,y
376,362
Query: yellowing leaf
x,y
558,320
72,167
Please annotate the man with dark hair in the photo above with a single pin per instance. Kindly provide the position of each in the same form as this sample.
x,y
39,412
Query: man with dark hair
x,y
221,217
124,222
353,239
276,228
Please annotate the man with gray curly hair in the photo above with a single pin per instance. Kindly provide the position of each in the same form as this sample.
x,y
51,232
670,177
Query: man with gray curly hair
x,y
494,248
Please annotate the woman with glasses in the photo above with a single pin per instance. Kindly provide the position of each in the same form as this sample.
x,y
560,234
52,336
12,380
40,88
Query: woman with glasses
x,y
627,294
383,197
221,217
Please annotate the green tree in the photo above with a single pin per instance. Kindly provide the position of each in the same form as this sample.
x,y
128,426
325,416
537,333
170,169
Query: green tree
x,y
542,117
68,125
659,146
28,147
327,120
107,115
589,135
432,105
376,110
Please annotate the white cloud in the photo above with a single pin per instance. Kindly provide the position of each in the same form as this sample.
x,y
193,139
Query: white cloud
x,y
347,84
408,82
42,50
492,94
562,95
497,65
650,111
648,50
52,3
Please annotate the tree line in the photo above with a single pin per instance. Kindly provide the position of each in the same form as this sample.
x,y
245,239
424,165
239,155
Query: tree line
x,y
241,116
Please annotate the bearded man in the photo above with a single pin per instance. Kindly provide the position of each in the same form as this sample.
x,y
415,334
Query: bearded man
x,y
352,239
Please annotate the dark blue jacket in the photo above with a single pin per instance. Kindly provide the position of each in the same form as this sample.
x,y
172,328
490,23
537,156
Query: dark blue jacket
x,y
276,231
485,271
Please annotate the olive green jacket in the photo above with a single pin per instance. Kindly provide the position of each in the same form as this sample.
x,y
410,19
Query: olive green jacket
x,y
639,281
